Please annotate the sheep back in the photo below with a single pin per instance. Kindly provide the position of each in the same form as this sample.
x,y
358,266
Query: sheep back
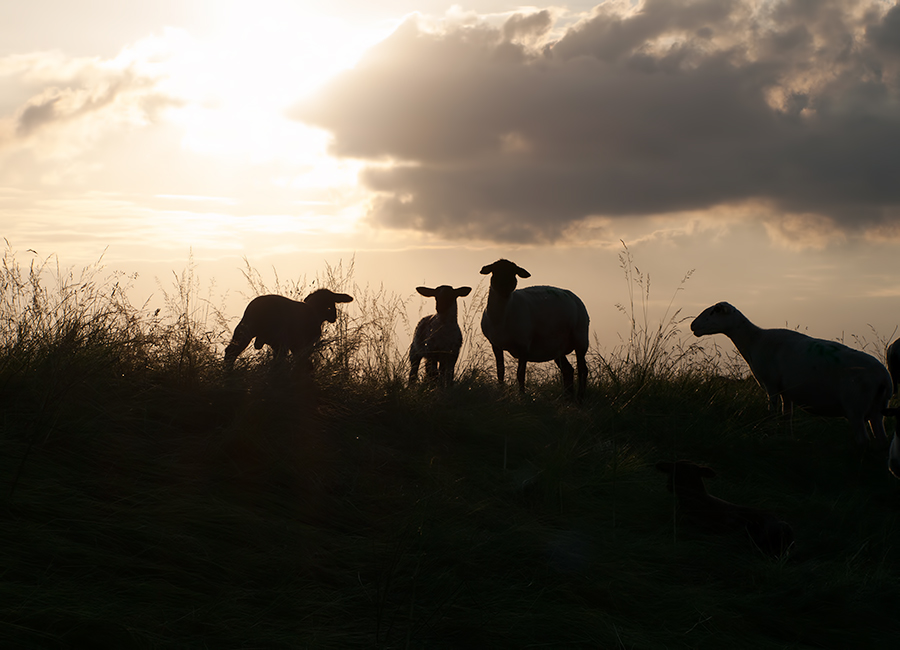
x,y
539,323
822,377
278,321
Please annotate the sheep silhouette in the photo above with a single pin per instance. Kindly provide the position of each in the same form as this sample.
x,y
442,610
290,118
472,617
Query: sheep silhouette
x,y
285,324
437,338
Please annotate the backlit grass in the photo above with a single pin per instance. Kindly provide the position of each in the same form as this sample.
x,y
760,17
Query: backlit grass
x,y
150,500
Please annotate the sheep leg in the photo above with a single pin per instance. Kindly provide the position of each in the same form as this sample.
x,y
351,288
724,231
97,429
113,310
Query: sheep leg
x,y
789,412
877,424
280,352
520,374
774,404
431,368
568,374
448,365
859,430
303,361
414,361
894,457
501,368
581,362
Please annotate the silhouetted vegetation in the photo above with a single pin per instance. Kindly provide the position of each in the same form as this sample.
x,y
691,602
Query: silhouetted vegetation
x,y
152,500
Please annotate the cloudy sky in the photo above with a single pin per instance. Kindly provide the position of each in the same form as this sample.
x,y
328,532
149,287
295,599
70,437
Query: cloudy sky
x,y
756,142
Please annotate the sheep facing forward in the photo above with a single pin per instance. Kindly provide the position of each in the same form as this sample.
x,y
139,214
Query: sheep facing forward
x,y
537,323
770,535
284,324
822,377
437,338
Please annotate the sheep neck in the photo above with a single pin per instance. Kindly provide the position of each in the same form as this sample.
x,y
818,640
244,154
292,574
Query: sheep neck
x,y
448,314
497,302
744,335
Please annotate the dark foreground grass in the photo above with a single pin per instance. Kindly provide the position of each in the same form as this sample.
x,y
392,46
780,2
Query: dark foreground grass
x,y
150,501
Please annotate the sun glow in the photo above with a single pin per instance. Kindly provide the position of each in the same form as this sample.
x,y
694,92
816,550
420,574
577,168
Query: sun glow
x,y
264,57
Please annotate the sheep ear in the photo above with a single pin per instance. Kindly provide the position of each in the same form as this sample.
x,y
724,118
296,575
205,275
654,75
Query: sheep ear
x,y
664,466
343,297
487,269
522,273
463,291
425,291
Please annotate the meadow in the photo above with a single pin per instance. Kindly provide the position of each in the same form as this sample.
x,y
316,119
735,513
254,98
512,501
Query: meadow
x,y
152,500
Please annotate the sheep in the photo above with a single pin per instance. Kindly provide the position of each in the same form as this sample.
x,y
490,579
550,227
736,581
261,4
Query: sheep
x,y
822,377
894,453
284,324
537,323
894,456
893,363
437,338
770,535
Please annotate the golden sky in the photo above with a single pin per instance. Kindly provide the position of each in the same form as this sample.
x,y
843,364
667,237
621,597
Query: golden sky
x,y
754,141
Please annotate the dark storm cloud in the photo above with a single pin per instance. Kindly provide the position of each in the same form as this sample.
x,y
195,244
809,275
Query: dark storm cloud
x,y
682,105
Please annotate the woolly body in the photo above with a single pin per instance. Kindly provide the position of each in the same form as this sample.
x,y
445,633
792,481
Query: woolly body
x,y
284,324
822,377
771,535
437,338
539,323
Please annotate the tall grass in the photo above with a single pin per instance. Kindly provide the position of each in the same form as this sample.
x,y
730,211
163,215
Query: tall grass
x,y
159,502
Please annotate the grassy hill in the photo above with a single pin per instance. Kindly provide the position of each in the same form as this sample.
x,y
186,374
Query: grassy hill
x,y
149,500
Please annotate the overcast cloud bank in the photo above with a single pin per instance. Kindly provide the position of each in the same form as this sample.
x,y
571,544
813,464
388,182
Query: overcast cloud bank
x,y
517,132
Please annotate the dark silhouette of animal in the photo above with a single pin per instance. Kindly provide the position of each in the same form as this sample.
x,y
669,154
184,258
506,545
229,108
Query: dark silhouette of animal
x,y
893,363
285,324
771,535
437,338
894,452
537,323
822,377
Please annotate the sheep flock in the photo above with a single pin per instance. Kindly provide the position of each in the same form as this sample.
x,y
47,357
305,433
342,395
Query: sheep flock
x,y
544,323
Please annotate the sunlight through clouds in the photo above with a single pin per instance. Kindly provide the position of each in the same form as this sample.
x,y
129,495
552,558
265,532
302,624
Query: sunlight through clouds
x,y
745,138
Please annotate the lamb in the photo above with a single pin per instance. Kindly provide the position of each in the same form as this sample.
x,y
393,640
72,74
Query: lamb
x,y
822,377
437,338
770,535
537,323
285,324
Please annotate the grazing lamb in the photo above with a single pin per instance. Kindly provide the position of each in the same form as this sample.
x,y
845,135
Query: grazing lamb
x,y
284,324
534,324
822,377
771,535
438,338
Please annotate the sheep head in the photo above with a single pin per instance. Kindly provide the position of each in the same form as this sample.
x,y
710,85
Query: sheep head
x,y
445,296
503,275
323,302
717,319
685,476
